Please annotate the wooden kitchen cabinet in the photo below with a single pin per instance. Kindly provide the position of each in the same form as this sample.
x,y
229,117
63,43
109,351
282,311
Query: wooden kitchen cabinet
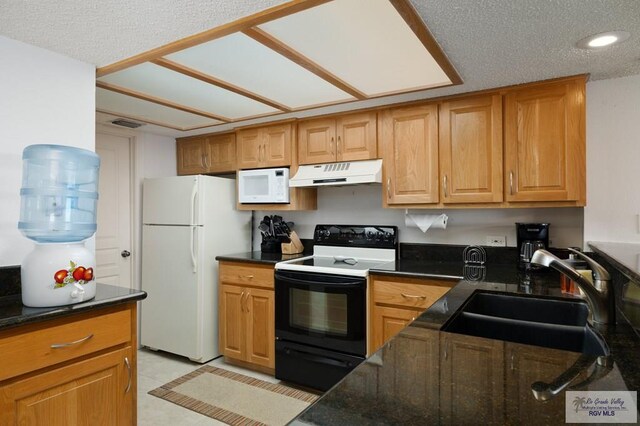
x,y
85,383
544,131
396,301
207,155
471,150
350,137
262,147
467,364
246,314
409,139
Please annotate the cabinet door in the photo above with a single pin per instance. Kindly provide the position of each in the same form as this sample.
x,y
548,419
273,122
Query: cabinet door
x,y
410,153
97,391
357,137
231,325
525,365
545,143
191,156
277,146
468,366
387,322
260,327
471,150
221,156
317,141
249,148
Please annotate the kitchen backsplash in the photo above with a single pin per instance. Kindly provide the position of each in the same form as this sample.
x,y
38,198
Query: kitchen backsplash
x,y
362,204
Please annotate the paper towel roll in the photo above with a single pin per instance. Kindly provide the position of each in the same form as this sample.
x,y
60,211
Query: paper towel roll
x,y
426,221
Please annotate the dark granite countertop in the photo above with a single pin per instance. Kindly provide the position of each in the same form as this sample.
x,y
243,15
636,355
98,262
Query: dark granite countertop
x,y
624,256
428,376
13,313
260,257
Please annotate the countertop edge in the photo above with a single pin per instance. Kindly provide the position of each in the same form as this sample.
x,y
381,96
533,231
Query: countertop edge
x,y
240,260
18,321
622,267
405,274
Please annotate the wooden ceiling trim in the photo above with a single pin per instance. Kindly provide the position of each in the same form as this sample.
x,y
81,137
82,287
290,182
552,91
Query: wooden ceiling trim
x,y
415,22
145,120
276,45
261,17
207,78
159,101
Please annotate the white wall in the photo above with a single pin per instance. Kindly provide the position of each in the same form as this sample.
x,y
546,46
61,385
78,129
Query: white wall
x,y
44,98
613,160
362,204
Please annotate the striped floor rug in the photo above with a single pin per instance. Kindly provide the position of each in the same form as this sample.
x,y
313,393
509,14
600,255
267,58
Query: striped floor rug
x,y
234,398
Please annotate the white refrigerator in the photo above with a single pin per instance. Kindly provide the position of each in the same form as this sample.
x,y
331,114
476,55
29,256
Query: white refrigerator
x,y
187,222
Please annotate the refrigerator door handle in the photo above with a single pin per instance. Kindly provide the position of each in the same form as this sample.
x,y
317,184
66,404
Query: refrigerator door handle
x,y
194,194
194,258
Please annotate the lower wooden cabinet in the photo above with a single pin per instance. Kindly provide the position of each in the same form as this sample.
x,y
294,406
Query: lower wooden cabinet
x,y
246,313
396,301
85,388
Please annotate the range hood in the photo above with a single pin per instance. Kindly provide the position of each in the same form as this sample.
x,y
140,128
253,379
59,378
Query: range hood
x,y
336,174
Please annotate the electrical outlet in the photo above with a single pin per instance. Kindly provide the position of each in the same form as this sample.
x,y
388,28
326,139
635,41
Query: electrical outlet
x,y
496,241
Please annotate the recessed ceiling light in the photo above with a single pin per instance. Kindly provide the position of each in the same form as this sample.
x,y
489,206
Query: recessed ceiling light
x,y
601,40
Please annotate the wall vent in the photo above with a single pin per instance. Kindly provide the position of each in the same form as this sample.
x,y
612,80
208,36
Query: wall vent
x,y
127,123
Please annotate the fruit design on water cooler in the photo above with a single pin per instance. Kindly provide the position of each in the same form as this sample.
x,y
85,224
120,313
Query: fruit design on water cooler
x,y
75,274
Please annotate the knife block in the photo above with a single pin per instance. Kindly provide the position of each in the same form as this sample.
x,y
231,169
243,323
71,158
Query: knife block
x,y
295,246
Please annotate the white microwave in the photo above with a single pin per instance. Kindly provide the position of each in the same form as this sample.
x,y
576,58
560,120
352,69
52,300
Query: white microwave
x,y
267,186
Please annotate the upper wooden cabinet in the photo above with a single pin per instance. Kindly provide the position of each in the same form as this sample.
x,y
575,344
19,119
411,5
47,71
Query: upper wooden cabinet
x,y
544,132
471,150
409,139
264,146
350,137
207,154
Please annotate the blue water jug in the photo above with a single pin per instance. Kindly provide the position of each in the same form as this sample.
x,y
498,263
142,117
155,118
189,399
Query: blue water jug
x,y
59,195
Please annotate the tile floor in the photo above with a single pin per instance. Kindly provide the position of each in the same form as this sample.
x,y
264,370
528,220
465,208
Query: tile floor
x,y
157,368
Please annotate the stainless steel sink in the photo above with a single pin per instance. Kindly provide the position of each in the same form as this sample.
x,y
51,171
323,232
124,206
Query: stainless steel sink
x,y
551,323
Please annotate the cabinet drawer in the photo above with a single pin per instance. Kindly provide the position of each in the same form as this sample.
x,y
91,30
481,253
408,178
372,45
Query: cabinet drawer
x,y
246,274
34,347
410,294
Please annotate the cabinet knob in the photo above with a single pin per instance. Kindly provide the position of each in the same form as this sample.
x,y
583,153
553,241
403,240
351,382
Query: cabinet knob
x,y
125,253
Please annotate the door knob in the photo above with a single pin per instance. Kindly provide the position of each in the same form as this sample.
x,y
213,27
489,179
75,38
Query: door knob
x,y
125,253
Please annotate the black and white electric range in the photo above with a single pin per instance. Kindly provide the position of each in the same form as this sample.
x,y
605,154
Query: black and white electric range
x,y
321,303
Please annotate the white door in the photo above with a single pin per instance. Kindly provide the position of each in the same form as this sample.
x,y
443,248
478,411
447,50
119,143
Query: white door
x,y
171,310
113,238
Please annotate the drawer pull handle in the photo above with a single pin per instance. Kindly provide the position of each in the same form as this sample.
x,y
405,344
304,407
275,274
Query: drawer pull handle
x,y
248,277
66,345
411,296
128,364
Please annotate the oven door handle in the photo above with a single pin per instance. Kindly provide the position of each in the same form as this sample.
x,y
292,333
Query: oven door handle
x,y
320,359
315,283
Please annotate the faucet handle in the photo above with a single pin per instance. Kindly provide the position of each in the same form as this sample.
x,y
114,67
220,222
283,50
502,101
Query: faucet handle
x,y
598,270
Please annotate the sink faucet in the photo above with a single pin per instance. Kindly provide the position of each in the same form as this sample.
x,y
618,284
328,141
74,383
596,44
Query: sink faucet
x,y
599,295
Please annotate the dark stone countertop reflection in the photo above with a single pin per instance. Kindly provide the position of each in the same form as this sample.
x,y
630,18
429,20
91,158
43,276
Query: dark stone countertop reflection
x,y
624,256
13,313
427,376
260,257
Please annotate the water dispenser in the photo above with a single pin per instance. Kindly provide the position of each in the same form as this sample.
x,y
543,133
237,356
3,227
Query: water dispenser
x,y
59,198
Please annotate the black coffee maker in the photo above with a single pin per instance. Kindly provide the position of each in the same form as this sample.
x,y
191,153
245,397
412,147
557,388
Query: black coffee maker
x,y
531,237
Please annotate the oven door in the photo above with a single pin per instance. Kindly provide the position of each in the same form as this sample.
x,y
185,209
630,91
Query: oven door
x,y
322,310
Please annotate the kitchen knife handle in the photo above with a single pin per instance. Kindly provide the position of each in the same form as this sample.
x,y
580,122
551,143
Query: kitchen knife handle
x,y
242,302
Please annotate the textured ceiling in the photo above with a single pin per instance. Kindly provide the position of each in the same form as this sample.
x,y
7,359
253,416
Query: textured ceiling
x,y
491,43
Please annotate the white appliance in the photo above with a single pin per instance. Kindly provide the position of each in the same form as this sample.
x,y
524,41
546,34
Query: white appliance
x,y
335,174
263,186
187,222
